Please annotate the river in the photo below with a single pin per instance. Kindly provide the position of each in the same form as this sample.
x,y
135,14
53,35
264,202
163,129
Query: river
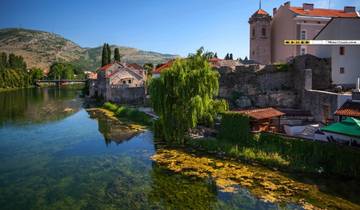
x,y
54,155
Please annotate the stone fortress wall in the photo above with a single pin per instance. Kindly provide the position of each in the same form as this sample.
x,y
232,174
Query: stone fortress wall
x,y
301,84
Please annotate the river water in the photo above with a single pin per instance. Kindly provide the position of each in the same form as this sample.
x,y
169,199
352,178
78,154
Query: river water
x,y
53,155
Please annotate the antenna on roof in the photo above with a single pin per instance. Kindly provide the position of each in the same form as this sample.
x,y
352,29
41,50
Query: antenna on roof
x,y
329,4
259,4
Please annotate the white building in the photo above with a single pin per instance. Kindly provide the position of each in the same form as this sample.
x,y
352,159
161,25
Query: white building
x,y
345,60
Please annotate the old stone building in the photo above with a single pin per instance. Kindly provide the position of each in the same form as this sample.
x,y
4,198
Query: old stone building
x,y
267,33
119,82
260,37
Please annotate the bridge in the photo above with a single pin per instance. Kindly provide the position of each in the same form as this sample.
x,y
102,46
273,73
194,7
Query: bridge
x,y
61,81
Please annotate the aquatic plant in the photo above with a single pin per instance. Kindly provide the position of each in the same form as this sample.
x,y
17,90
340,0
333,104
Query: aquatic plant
x,y
230,176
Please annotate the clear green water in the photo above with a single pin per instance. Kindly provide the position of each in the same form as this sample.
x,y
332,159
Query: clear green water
x,y
56,159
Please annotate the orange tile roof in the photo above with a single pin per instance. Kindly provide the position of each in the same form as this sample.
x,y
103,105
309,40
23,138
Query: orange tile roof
x,y
261,12
349,109
106,67
322,12
260,114
159,69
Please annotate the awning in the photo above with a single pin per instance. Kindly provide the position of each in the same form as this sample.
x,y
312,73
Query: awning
x,y
348,127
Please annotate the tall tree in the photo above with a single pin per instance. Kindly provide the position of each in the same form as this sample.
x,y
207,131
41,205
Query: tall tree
x,y
117,56
104,55
109,53
231,57
215,56
184,95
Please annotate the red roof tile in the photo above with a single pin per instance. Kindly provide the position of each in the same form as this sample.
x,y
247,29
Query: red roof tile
x,y
322,12
135,66
159,69
349,109
106,67
261,12
260,114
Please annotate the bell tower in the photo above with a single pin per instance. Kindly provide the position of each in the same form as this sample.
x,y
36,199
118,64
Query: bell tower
x,y
260,36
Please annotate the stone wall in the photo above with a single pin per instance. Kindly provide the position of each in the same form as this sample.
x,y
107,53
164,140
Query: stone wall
x,y
263,86
135,95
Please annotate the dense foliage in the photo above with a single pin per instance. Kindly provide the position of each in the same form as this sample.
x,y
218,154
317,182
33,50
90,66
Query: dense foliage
x,y
229,56
129,113
106,55
117,56
235,127
61,71
184,95
13,72
289,154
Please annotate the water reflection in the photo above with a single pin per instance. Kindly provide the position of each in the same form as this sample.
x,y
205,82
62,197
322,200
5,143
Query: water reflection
x,y
112,129
37,105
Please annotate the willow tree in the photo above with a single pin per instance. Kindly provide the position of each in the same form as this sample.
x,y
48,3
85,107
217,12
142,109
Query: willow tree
x,y
184,95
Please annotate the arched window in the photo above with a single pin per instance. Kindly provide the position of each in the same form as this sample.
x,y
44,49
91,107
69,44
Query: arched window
x,y
253,32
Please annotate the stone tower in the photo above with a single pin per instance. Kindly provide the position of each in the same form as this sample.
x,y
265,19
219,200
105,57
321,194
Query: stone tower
x,y
260,37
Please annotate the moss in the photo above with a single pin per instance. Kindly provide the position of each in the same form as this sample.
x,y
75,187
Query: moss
x,y
265,184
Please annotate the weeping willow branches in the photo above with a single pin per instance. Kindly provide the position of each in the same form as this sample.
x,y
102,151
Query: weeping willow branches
x,y
184,96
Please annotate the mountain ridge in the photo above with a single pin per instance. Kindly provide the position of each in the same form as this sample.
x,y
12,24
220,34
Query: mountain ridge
x,y
41,49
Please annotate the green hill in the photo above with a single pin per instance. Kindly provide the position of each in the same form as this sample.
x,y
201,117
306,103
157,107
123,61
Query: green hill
x,y
41,49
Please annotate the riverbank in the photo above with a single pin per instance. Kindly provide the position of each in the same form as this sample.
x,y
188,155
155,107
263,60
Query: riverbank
x,y
125,113
289,155
12,89
270,185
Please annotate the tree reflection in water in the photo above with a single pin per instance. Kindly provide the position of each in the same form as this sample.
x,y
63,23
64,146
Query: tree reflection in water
x,y
112,129
38,105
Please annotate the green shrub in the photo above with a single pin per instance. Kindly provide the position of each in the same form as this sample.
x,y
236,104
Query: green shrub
x,y
110,106
281,66
313,155
129,113
235,127
290,154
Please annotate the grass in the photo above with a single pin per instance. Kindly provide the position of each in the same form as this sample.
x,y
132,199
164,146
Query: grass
x,y
288,154
127,113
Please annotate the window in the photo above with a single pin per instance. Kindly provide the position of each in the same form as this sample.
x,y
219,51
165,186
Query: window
x,y
263,31
342,51
302,50
303,35
253,32
253,52
129,81
342,70
124,82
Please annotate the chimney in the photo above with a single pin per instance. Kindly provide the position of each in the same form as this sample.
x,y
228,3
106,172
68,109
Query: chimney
x,y
287,4
348,9
307,6
274,11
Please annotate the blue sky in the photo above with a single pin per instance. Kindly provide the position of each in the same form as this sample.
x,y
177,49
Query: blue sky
x,y
167,26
